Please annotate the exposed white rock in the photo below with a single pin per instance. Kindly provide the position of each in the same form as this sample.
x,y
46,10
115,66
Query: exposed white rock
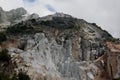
x,y
49,59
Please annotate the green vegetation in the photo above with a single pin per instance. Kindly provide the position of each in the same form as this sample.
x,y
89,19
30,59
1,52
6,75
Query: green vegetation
x,y
23,28
5,61
61,23
94,24
106,34
112,39
4,77
14,77
23,76
2,37
117,79
4,56
7,77
20,28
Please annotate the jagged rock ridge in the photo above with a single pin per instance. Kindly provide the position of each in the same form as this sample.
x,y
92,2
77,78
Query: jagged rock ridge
x,y
14,16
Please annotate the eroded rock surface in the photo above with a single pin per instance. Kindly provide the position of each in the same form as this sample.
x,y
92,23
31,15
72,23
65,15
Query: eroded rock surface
x,y
60,47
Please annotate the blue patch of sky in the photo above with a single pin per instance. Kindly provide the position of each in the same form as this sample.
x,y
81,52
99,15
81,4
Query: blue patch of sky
x,y
50,8
29,1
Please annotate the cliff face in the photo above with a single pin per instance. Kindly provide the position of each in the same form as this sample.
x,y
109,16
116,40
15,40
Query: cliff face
x,y
40,56
60,47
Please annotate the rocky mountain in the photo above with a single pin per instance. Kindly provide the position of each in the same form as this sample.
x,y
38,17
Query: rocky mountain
x,y
60,47
14,16
7,17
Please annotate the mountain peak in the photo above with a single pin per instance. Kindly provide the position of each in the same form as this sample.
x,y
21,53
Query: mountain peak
x,y
14,16
56,15
61,15
21,10
1,8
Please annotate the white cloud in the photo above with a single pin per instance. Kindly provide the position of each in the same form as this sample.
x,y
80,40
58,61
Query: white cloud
x,y
103,12
11,4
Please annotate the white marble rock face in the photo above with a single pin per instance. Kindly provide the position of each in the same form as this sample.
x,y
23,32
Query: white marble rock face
x,y
51,60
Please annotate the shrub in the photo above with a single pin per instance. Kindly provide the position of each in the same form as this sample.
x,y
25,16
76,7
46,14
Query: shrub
x,y
117,79
111,39
4,77
19,28
23,76
2,37
4,56
14,77
94,24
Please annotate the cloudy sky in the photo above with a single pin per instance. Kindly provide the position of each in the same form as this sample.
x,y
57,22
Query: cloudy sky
x,y
106,13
